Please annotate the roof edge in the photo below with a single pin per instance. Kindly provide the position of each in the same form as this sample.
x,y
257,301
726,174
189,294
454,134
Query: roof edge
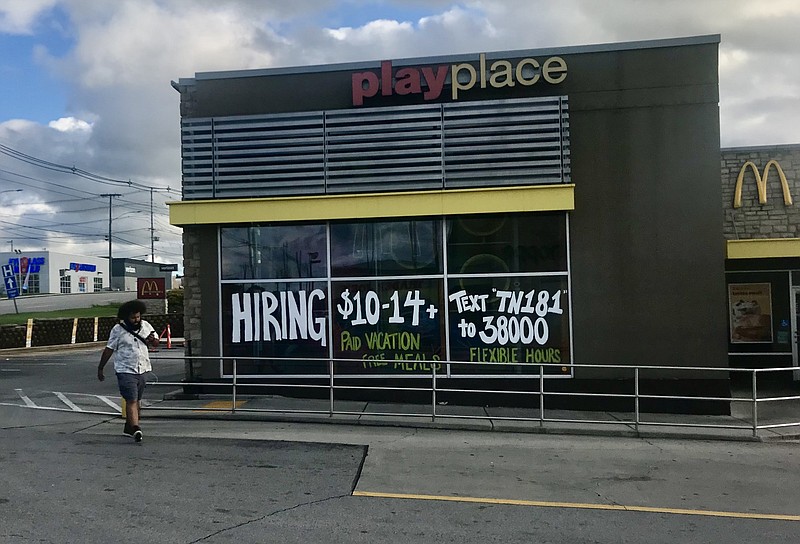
x,y
373,64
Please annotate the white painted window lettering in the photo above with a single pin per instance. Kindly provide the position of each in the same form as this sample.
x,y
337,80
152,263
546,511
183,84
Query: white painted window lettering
x,y
522,319
368,310
266,316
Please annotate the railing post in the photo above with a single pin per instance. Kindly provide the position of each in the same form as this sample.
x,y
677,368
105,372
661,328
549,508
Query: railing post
x,y
433,391
636,399
755,402
330,386
233,393
541,396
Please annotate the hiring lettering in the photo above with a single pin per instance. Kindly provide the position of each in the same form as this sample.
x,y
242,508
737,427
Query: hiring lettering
x,y
285,315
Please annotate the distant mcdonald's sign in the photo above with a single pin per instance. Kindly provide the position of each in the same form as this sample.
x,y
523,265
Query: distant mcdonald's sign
x,y
151,288
761,183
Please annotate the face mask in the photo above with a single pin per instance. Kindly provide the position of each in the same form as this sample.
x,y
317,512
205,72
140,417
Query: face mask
x,y
133,326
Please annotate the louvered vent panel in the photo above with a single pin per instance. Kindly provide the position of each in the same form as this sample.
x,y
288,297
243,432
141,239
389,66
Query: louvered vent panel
x,y
384,149
259,156
429,146
508,142
197,155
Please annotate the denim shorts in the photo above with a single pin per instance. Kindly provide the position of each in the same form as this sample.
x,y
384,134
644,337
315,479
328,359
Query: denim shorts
x,y
131,386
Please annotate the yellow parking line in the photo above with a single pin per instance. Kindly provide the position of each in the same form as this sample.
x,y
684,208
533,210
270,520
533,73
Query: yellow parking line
x,y
585,506
220,405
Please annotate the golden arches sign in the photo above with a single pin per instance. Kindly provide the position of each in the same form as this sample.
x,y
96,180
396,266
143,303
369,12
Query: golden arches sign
x,y
151,288
761,183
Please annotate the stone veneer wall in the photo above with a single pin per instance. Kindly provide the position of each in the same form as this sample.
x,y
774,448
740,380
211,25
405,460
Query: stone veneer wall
x,y
754,220
192,312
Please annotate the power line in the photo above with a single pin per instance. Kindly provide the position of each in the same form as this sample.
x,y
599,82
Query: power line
x,y
41,163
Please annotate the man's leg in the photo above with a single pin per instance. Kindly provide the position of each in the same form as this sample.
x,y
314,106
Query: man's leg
x,y
131,387
132,413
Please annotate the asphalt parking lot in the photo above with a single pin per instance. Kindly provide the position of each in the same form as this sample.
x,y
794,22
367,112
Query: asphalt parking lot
x,y
71,476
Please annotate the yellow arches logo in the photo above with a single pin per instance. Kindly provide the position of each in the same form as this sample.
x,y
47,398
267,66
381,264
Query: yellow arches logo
x,y
761,183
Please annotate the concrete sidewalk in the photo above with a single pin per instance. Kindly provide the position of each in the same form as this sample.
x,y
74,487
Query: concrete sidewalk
x,y
737,426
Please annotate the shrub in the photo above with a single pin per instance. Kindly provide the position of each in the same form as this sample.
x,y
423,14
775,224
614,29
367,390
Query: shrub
x,y
175,301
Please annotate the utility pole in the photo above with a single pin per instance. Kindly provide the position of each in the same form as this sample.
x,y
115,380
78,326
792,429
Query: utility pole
x,y
152,230
110,268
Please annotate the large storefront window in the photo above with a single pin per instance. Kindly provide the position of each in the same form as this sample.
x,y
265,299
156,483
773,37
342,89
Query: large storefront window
x,y
399,298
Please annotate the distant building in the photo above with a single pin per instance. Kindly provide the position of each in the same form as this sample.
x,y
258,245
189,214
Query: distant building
x,y
50,272
127,271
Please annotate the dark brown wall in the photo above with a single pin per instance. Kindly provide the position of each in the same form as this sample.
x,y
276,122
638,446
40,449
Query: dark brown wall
x,y
645,76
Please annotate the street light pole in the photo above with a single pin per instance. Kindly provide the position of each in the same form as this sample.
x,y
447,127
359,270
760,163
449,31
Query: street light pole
x,y
110,267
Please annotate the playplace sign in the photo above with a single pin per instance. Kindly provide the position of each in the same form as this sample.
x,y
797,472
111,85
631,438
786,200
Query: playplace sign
x,y
429,81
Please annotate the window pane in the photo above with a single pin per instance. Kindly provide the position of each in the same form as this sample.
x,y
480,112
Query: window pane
x,y
282,322
497,244
386,248
274,252
506,320
389,327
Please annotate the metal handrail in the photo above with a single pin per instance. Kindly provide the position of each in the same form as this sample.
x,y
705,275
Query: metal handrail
x,y
435,388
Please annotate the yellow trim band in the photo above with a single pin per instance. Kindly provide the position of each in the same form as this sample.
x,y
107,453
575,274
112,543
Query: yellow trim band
x,y
585,506
763,248
559,197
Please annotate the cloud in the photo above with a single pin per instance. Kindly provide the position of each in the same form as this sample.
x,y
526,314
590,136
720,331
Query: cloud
x,y
70,124
122,118
19,16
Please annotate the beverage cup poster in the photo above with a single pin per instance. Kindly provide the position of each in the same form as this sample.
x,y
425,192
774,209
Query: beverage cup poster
x,y
750,312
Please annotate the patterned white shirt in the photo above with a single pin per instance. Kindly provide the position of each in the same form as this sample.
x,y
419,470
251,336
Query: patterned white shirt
x,y
130,354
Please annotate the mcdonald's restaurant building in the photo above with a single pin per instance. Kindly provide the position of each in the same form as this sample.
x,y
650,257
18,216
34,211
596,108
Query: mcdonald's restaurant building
x,y
490,217
762,229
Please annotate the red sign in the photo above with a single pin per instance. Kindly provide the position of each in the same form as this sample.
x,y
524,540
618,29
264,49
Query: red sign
x,y
151,288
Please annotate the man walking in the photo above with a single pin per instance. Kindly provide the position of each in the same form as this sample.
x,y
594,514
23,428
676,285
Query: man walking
x,y
128,342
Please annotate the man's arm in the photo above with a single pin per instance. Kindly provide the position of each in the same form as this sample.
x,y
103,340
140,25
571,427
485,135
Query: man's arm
x,y
104,357
152,338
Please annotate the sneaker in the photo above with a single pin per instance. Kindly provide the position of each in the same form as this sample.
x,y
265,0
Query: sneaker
x,y
137,434
128,430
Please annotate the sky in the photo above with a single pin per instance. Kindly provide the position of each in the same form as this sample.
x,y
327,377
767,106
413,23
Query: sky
x,y
87,109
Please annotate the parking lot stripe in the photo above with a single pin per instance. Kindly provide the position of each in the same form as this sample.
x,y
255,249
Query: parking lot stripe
x,y
111,403
74,407
585,506
28,402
